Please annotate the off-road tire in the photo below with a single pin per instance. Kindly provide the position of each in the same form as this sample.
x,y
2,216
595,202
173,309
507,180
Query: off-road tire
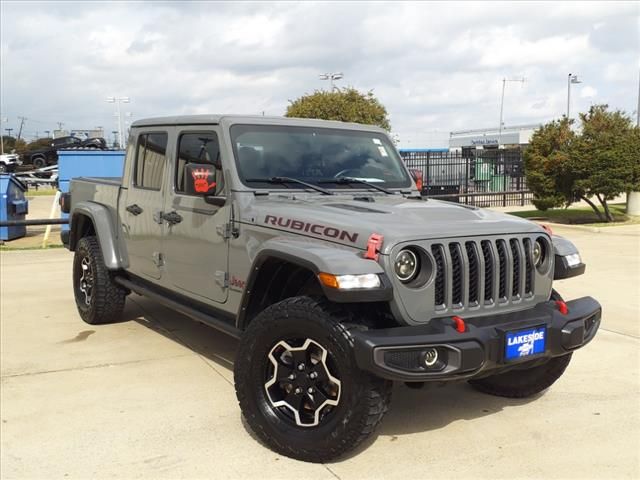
x,y
107,298
3,168
39,162
523,383
364,398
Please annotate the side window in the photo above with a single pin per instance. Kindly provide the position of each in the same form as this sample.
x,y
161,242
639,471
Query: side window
x,y
199,168
150,159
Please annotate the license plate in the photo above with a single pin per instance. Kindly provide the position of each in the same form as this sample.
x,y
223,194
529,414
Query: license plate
x,y
525,343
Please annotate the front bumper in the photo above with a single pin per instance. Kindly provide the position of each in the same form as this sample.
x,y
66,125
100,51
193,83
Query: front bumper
x,y
399,353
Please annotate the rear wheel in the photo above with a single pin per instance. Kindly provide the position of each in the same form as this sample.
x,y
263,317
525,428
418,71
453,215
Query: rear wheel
x,y
39,162
298,384
98,298
524,382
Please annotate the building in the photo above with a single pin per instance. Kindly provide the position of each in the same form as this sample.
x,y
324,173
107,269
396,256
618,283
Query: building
x,y
97,132
510,137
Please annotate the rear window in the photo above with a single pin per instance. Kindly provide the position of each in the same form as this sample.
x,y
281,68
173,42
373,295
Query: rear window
x,y
150,160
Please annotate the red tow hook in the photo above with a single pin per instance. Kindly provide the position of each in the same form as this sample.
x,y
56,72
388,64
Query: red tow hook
x,y
562,307
373,246
460,325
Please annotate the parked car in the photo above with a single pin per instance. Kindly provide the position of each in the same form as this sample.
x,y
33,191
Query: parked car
x,y
309,242
49,156
9,162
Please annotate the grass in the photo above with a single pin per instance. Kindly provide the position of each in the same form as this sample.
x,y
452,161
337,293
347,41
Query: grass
x,y
41,192
580,216
8,248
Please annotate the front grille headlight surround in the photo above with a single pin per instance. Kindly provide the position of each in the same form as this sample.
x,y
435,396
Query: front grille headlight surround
x,y
541,254
413,266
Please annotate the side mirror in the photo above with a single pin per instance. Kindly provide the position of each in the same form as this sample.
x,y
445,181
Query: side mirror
x,y
200,179
416,174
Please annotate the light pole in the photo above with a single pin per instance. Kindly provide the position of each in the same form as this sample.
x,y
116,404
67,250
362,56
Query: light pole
x,y
118,101
331,77
571,78
638,111
504,84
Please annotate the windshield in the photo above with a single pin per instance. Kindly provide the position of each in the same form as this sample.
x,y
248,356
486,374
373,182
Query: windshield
x,y
315,155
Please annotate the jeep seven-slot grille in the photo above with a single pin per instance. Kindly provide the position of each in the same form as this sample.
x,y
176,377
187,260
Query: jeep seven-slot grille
x,y
436,250
474,273
456,264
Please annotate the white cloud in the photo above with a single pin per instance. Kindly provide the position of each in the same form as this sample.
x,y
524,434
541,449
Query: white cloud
x,y
435,66
588,92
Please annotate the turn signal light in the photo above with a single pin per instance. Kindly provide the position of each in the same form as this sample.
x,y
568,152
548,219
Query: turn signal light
x,y
350,282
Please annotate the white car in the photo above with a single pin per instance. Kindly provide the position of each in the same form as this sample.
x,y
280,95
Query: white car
x,y
9,162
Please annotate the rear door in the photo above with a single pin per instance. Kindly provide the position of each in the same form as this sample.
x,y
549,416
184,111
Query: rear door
x,y
194,244
140,205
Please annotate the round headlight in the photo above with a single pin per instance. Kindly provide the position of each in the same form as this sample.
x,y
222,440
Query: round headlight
x,y
406,265
538,256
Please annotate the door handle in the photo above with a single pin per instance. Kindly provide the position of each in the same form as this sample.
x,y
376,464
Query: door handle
x,y
172,217
134,209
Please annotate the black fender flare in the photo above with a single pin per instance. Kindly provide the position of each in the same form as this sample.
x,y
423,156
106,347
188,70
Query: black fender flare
x,y
100,217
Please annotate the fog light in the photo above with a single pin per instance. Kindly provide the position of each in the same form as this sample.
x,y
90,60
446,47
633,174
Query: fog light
x,y
430,357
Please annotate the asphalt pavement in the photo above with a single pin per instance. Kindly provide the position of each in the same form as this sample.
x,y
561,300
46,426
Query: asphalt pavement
x,y
152,396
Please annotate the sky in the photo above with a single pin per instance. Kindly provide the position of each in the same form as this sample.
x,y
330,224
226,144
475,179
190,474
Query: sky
x,y
436,67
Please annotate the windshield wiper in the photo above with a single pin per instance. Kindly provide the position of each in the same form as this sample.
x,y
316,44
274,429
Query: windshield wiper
x,y
346,180
289,180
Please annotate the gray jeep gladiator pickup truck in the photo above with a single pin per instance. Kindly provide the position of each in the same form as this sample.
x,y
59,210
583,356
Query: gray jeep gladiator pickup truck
x,y
309,242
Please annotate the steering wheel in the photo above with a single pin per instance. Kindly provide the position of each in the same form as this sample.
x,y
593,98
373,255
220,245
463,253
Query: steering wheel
x,y
342,173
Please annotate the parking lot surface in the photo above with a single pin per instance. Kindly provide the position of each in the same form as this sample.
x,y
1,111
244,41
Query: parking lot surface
x,y
152,396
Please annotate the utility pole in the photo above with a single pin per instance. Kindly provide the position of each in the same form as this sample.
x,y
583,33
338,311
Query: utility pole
x,y
47,133
504,84
8,130
22,120
2,120
571,78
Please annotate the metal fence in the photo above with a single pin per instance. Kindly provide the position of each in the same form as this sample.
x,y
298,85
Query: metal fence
x,y
483,178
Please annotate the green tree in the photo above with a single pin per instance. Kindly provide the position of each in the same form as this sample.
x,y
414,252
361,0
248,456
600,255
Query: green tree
x,y
548,165
38,144
11,143
601,162
346,105
603,156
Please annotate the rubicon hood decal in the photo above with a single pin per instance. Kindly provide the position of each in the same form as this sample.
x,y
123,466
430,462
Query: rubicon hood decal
x,y
315,228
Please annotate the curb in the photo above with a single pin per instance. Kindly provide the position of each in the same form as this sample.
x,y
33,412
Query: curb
x,y
572,227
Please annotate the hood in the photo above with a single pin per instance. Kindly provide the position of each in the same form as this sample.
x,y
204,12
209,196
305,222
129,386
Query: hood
x,y
342,219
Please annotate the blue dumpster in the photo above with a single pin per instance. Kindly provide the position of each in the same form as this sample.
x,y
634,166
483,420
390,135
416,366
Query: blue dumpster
x,y
87,163
13,206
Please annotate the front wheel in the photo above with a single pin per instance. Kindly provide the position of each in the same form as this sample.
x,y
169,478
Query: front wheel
x,y
298,385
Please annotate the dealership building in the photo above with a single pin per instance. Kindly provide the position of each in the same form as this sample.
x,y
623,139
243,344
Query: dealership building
x,y
509,137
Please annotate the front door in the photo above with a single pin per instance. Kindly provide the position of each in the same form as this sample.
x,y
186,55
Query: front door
x,y
194,243
140,206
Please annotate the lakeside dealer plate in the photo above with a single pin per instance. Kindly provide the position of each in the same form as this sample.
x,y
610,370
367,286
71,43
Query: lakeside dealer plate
x,y
525,343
